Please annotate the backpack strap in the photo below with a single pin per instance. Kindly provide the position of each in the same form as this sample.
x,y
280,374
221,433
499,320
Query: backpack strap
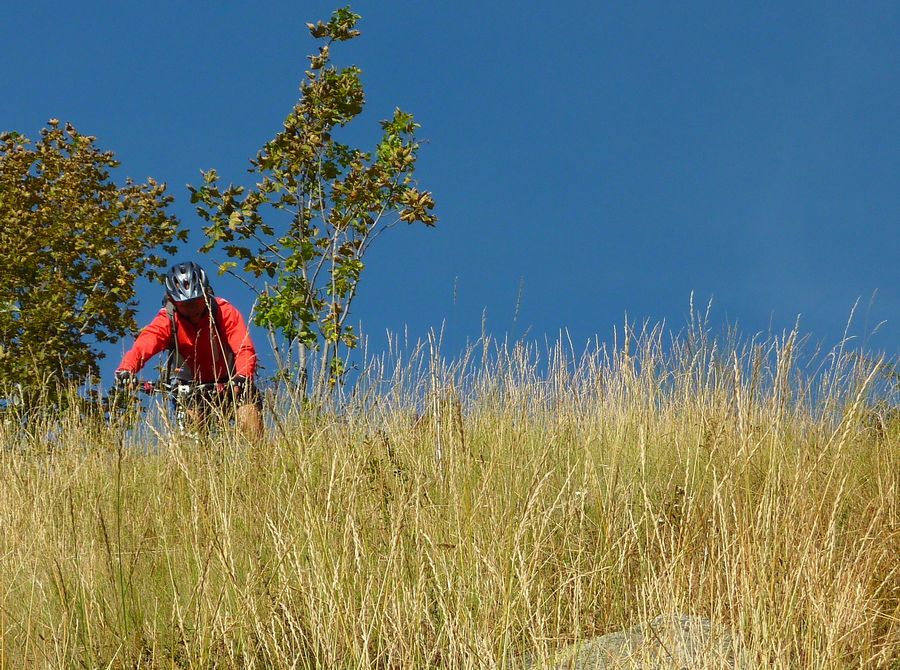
x,y
216,311
170,312
174,361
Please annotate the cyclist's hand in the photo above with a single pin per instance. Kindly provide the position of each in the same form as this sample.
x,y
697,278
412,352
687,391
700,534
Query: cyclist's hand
x,y
241,387
239,382
125,380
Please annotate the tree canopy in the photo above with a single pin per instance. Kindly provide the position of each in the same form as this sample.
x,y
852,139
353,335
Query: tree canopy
x,y
318,205
72,245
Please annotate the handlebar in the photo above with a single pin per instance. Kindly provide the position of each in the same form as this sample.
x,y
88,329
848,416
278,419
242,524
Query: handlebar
x,y
182,386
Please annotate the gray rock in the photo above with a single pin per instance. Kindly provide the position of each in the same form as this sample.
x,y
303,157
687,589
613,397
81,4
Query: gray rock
x,y
672,642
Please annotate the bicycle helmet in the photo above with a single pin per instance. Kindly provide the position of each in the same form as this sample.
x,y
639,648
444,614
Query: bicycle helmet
x,y
187,281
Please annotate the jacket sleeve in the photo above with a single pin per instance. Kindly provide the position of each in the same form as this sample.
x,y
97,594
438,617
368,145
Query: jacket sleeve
x,y
239,340
151,340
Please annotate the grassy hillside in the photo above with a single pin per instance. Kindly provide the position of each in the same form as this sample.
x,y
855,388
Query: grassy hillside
x,y
461,514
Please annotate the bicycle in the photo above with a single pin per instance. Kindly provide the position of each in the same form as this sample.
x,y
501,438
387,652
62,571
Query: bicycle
x,y
194,405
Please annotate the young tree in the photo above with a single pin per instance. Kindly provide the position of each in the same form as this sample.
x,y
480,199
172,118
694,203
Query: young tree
x,y
318,206
72,244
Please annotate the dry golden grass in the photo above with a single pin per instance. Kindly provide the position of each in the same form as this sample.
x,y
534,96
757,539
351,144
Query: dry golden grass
x,y
538,499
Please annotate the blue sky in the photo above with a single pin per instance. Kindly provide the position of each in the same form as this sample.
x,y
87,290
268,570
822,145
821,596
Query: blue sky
x,y
596,158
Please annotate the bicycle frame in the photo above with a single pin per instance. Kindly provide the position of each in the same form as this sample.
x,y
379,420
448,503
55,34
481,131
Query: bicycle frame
x,y
190,401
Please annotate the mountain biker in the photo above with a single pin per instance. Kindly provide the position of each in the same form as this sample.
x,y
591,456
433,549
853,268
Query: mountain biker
x,y
209,341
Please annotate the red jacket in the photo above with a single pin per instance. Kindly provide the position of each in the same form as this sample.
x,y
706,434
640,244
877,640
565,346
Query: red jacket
x,y
199,345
